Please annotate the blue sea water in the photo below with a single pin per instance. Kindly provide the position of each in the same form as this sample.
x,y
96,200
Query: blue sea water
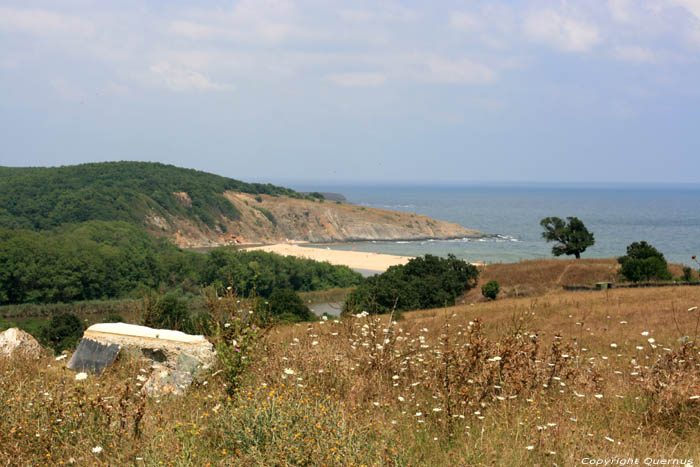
x,y
666,217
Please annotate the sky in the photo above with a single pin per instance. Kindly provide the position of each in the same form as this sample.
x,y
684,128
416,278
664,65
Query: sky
x,y
326,91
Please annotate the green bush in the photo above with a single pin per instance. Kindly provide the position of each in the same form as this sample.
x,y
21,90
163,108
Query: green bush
x,y
490,290
688,275
425,282
267,214
171,312
643,262
62,332
114,318
287,306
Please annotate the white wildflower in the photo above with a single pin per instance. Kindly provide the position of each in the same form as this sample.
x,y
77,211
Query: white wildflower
x,y
97,449
81,376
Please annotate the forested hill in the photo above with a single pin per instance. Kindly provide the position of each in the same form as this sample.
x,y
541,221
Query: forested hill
x,y
196,209
41,198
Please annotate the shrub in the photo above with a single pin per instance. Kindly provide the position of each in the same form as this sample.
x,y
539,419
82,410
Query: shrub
x,y
643,262
114,318
286,305
267,214
490,290
425,282
62,332
238,324
170,312
688,274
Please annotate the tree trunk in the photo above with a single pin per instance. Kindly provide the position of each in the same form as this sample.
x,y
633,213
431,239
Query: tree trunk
x,y
578,255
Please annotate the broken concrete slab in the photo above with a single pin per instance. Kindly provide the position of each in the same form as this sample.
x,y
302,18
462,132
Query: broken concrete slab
x,y
17,343
167,381
93,356
171,349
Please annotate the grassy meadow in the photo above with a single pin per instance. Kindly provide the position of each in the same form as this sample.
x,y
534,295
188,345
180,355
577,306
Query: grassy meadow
x,y
539,376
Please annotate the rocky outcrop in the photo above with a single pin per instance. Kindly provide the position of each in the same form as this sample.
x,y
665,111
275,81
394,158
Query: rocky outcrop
x,y
270,219
16,343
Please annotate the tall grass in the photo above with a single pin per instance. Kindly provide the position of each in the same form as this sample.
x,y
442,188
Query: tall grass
x,y
526,381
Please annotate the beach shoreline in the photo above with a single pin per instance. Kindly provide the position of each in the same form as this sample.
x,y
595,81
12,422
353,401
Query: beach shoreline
x,y
366,261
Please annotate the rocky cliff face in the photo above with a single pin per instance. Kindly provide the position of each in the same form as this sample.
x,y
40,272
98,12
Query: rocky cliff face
x,y
268,219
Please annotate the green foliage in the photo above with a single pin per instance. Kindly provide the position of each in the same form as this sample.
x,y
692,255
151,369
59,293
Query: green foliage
x,y
63,332
643,262
688,275
573,238
248,271
169,312
287,306
490,290
100,260
425,282
89,261
238,324
43,198
267,214
113,318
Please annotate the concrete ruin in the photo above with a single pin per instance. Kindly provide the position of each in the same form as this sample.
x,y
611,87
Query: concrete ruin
x,y
177,358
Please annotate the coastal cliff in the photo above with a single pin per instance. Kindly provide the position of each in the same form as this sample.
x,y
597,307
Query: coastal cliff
x,y
274,219
196,209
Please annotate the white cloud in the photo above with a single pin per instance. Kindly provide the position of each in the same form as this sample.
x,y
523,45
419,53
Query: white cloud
x,y
255,21
195,30
621,10
693,6
462,71
561,32
492,23
634,53
180,79
67,90
382,12
463,20
357,79
43,22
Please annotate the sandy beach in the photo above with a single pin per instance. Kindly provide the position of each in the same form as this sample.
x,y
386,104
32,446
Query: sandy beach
x,y
353,259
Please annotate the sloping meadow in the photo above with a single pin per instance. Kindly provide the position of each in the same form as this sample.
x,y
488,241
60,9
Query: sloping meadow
x,y
534,381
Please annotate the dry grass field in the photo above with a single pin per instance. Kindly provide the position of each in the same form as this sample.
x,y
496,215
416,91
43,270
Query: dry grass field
x,y
551,378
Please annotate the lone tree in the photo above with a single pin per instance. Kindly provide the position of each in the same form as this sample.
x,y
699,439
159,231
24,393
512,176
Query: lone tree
x,y
573,237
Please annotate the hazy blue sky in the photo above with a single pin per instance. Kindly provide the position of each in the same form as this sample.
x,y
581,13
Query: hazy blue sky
x,y
325,90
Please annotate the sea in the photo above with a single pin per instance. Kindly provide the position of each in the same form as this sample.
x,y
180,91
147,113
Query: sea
x,y
667,217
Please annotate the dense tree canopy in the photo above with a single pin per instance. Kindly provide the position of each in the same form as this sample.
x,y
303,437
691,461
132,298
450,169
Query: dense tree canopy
x,y
572,237
425,282
100,260
42,198
643,262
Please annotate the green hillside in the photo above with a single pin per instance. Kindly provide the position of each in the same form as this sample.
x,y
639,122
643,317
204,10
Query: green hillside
x,y
100,260
45,197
